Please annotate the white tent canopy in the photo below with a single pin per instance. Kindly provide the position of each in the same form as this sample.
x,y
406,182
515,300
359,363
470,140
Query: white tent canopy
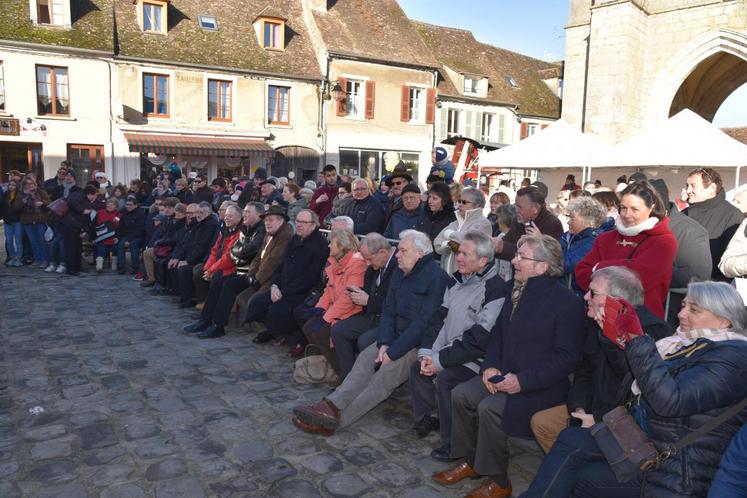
x,y
684,140
560,145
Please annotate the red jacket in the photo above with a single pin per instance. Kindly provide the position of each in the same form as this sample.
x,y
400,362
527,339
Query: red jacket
x,y
111,220
220,255
324,208
650,254
335,300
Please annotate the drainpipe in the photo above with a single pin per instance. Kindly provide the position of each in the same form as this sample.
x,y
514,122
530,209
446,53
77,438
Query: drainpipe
x,y
323,112
586,81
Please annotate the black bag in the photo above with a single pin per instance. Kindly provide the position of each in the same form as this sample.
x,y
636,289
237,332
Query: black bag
x,y
629,451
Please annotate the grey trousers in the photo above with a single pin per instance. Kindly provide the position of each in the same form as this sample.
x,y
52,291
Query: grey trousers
x,y
432,393
364,388
476,433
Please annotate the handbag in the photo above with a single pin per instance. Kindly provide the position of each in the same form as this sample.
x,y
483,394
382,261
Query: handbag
x,y
59,207
313,369
163,251
629,451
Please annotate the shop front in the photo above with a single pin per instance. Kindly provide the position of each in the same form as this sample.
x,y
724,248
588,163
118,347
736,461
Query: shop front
x,y
371,163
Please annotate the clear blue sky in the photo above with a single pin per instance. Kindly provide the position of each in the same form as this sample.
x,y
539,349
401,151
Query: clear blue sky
x,y
531,27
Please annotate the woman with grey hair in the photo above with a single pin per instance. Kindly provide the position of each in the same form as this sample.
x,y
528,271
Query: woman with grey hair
x,y
585,216
682,382
468,217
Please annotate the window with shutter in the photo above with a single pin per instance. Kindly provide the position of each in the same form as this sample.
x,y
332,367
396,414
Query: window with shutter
x,y
370,99
404,112
469,125
524,131
430,109
444,124
355,99
341,107
501,129
454,116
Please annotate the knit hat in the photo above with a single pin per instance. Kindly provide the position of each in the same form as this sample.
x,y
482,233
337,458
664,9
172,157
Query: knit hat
x,y
441,154
99,174
637,177
411,187
261,173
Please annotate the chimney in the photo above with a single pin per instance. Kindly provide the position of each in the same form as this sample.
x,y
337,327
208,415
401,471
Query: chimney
x,y
319,5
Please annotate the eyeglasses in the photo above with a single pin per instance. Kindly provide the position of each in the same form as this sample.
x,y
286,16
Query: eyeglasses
x,y
594,293
302,222
460,201
362,189
520,257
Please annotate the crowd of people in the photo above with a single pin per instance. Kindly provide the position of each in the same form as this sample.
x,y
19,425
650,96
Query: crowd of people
x,y
508,316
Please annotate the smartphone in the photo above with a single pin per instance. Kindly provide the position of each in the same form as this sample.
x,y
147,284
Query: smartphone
x,y
350,288
612,309
495,379
377,366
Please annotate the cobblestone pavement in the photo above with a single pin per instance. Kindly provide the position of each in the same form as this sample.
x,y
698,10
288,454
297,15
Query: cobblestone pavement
x,y
133,408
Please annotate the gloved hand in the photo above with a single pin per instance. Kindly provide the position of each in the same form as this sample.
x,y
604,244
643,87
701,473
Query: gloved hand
x,y
621,324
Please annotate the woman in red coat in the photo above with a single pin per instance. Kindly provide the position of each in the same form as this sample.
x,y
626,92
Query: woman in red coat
x,y
345,270
641,241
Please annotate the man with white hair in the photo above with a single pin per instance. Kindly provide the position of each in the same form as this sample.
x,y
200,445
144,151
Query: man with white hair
x,y
342,223
415,294
367,213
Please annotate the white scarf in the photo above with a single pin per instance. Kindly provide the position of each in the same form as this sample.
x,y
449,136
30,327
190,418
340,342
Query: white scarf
x,y
635,230
682,339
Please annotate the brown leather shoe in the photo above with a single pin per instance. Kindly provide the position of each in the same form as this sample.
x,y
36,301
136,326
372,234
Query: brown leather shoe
x,y
312,429
324,414
455,474
490,489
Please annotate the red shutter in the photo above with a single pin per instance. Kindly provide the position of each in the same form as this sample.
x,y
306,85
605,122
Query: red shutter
x,y
342,104
430,106
524,131
370,99
543,126
404,114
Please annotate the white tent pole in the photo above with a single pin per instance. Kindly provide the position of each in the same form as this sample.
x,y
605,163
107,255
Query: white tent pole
x,y
736,180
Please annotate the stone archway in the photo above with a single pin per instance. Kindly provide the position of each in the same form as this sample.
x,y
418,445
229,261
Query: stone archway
x,y
700,76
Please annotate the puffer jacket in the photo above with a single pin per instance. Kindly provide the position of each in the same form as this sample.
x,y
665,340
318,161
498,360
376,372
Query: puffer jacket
x,y
367,214
411,302
734,260
403,220
575,247
220,255
433,224
335,300
732,475
473,220
681,394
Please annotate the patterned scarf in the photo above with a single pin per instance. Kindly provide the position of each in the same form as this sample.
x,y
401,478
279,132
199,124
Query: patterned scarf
x,y
516,295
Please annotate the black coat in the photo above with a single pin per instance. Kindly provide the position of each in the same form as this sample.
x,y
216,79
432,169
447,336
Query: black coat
x,y
681,394
721,219
202,238
131,225
368,215
74,219
247,246
6,210
377,294
185,196
603,379
541,344
301,268
203,194
59,191
432,224
546,222
693,260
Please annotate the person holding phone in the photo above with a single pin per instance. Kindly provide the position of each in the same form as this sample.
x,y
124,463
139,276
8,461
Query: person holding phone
x,y
533,351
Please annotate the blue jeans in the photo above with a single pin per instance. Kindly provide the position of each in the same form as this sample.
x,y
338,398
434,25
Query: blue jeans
x,y
103,250
35,233
134,254
14,239
57,248
576,467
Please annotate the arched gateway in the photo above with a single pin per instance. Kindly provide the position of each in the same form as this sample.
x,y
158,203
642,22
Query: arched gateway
x,y
631,63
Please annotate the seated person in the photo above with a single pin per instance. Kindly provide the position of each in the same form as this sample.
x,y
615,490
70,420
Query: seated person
x,y
299,271
535,344
342,223
163,250
415,293
681,383
345,270
603,379
194,251
107,221
354,334
162,229
223,290
456,339
130,235
408,216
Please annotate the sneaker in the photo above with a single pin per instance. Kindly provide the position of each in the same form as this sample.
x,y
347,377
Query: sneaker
x,y
50,268
16,263
139,277
61,269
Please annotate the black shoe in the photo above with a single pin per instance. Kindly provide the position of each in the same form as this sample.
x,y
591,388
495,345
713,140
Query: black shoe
x,y
425,426
72,273
443,454
196,327
147,283
188,304
262,338
212,332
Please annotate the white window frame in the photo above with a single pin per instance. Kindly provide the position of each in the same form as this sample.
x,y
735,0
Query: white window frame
x,y
202,19
488,118
532,128
59,14
474,88
418,94
452,131
358,111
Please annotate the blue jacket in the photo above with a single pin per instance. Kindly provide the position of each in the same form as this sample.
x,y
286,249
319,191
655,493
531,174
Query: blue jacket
x,y
411,302
403,220
731,478
679,395
541,344
575,247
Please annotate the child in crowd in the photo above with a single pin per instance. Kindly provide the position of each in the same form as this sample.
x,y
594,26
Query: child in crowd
x,y
107,221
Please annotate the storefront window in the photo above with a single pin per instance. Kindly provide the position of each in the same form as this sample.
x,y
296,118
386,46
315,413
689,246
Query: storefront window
x,y
375,163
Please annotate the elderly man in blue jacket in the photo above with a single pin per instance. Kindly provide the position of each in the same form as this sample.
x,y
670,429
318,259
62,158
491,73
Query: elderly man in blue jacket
x,y
415,294
535,345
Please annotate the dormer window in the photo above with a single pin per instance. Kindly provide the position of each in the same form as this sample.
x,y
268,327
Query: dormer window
x,y
475,85
152,15
270,28
208,23
50,12
512,82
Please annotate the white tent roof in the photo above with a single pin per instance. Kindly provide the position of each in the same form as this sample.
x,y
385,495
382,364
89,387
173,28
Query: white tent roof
x,y
560,145
684,140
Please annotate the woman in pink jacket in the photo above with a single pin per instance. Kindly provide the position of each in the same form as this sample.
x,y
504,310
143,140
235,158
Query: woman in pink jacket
x,y
346,268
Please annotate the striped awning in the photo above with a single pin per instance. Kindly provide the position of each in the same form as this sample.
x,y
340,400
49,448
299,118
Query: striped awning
x,y
197,145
